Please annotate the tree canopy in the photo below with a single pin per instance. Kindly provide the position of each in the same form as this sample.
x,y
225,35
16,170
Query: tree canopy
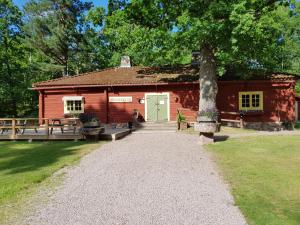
x,y
48,39
228,27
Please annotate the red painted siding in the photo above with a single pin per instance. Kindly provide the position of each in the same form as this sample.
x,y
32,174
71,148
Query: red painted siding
x,y
298,101
183,98
279,100
94,101
298,110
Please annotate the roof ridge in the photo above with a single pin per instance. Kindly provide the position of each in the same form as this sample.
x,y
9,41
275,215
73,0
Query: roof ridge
x,y
78,75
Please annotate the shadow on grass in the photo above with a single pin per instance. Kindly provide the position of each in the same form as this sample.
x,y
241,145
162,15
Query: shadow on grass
x,y
220,138
18,157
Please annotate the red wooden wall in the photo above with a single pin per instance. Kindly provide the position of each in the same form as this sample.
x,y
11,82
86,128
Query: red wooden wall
x,y
279,100
298,100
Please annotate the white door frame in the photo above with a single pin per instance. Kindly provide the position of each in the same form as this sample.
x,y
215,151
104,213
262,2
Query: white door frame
x,y
158,93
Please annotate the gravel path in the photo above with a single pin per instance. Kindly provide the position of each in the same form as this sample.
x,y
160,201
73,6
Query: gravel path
x,y
162,178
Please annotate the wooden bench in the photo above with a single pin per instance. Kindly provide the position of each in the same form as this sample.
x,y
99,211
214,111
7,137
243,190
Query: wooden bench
x,y
239,122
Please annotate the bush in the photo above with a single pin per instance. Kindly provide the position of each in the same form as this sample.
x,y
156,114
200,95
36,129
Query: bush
x,y
180,117
298,88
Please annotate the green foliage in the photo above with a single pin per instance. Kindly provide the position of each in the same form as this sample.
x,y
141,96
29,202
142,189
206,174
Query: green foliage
x,y
51,38
297,88
243,34
145,46
114,5
62,34
180,117
15,78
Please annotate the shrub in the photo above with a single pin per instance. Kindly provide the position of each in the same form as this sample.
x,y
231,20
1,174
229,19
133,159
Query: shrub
x,y
180,117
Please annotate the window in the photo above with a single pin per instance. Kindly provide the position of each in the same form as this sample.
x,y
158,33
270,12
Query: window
x,y
251,100
73,104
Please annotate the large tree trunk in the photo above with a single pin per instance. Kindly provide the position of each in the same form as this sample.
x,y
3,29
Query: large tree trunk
x,y
208,113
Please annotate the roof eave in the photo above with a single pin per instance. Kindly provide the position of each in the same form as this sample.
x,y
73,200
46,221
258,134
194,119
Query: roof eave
x,y
109,85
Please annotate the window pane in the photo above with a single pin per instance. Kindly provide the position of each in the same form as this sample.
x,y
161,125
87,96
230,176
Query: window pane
x,y
255,100
245,101
70,105
77,105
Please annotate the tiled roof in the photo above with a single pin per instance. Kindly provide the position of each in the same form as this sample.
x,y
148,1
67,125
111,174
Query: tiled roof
x,y
134,76
125,76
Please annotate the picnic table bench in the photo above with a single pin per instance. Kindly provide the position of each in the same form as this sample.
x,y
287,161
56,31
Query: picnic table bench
x,y
71,123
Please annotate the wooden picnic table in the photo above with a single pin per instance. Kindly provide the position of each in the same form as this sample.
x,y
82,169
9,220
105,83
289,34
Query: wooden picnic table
x,y
56,122
61,122
18,125
24,124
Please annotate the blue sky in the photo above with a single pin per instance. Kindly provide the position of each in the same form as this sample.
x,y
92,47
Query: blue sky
x,y
20,3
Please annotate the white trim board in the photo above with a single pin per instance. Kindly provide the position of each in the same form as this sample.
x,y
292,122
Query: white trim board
x,y
72,98
155,93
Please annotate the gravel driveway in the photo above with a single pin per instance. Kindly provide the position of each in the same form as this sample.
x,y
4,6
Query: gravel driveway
x,y
162,178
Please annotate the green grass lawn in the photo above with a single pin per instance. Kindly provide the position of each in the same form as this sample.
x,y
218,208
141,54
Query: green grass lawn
x,y
23,166
264,174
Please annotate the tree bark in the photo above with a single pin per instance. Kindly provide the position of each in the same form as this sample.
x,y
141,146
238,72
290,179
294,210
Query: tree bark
x,y
65,72
208,112
66,65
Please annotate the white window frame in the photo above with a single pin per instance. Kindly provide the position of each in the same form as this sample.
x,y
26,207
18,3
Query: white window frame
x,y
73,98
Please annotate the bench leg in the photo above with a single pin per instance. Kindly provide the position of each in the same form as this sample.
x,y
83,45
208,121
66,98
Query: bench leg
x,y
35,129
62,130
51,130
23,131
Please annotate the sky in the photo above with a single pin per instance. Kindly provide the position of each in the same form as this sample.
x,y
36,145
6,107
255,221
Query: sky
x,y
20,3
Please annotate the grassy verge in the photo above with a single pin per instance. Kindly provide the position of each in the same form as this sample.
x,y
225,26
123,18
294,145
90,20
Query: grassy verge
x,y
264,173
23,166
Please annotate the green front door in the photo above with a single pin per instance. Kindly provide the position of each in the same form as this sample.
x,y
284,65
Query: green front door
x,y
157,107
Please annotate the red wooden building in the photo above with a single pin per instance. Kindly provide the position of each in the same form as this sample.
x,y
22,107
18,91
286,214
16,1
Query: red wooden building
x,y
297,107
157,93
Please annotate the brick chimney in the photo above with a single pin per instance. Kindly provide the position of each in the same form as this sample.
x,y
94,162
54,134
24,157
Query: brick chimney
x,y
125,62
